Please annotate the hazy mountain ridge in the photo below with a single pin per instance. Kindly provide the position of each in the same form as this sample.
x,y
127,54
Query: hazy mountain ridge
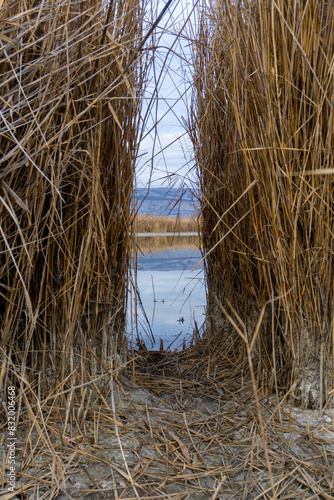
x,y
167,202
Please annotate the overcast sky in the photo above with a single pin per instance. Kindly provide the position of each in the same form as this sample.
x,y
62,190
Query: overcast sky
x,y
166,149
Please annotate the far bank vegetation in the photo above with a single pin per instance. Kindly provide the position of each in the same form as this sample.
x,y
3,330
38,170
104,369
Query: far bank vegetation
x,y
161,224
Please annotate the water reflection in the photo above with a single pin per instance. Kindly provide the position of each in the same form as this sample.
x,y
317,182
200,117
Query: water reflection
x,y
171,296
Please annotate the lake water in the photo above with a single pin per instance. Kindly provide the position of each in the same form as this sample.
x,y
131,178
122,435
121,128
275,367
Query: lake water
x,y
171,297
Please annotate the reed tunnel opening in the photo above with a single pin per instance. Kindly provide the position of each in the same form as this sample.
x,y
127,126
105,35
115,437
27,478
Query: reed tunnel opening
x,y
167,294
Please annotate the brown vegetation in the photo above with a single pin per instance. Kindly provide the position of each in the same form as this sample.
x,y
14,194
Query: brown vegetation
x,y
161,224
187,428
69,112
190,423
262,129
161,243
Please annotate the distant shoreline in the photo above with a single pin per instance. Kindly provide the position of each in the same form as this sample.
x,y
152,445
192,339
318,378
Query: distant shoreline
x,y
145,225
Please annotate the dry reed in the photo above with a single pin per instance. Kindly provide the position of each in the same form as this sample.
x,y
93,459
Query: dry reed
x,y
262,128
70,86
186,429
161,224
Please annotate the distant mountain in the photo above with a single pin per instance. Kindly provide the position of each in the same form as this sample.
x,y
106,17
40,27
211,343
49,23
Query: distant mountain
x,y
167,202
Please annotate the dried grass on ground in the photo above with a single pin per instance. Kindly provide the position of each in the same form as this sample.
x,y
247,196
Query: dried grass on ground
x,y
161,243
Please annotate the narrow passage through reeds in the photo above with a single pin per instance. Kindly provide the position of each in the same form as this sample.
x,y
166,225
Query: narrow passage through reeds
x,y
218,419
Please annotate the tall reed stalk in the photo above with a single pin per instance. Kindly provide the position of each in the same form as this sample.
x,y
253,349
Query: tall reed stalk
x,y
70,82
262,128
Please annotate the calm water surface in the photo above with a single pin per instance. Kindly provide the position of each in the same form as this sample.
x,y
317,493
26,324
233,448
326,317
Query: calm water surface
x,y
171,297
